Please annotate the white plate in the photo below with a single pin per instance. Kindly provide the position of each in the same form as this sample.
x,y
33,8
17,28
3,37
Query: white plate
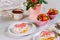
x,y
31,29
37,37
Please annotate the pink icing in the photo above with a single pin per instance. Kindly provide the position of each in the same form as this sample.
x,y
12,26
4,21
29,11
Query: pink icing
x,y
20,25
45,33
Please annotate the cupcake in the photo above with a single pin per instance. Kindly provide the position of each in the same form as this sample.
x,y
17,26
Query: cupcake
x,y
20,28
42,19
52,13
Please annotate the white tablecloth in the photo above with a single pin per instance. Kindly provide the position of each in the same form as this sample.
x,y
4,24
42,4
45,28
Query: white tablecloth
x,y
5,23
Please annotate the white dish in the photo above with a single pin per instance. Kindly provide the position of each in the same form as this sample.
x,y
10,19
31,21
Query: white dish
x,y
31,29
37,37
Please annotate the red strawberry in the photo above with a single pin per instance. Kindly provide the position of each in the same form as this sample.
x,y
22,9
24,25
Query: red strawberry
x,y
20,25
42,15
49,12
44,33
56,12
52,12
45,18
33,1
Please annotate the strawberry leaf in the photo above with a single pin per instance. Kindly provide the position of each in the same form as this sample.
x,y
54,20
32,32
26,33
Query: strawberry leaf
x,y
45,2
30,4
40,1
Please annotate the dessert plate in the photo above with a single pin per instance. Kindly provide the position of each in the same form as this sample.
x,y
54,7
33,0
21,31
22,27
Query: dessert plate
x,y
31,29
37,37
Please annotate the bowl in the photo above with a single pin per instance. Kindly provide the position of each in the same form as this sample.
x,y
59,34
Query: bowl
x,y
52,16
41,23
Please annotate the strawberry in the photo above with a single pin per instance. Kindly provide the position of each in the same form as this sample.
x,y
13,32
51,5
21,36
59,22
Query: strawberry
x,y
45,18
45,33
42,15
49,12
20,25
33,1
56,11
52,12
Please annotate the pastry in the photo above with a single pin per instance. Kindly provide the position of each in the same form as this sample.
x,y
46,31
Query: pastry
x,y
20,28
46,35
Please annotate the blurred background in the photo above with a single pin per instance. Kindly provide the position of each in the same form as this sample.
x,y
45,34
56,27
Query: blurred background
x,y
7,4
